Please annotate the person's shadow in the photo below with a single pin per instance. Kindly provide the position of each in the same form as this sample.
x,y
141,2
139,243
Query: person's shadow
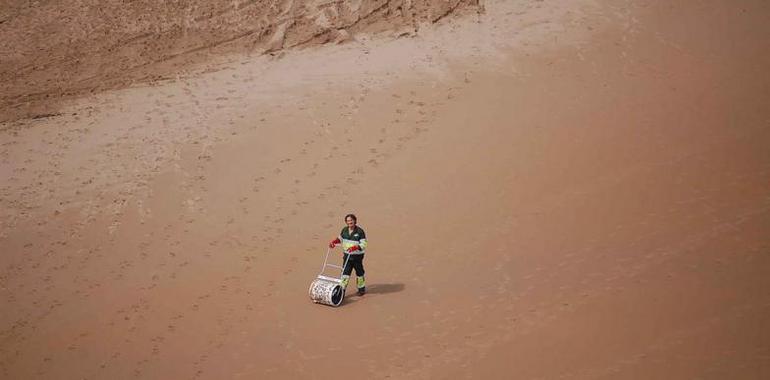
x,y
384,288
374,289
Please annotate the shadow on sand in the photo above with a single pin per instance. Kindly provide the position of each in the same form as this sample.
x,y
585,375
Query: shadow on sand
x,y
373,289
384,288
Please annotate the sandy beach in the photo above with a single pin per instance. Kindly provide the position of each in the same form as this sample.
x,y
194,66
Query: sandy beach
x,y
550,190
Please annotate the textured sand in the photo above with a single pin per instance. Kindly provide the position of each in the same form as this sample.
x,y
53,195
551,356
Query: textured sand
x,y
53,51
573,189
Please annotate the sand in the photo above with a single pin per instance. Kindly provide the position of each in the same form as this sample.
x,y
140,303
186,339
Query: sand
x,y
573,189
58,50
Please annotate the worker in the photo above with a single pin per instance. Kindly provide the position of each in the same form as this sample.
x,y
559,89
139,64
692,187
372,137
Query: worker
x,y
353,240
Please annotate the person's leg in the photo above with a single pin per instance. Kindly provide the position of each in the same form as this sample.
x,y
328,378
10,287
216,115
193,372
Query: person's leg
x,y
358,264
346,270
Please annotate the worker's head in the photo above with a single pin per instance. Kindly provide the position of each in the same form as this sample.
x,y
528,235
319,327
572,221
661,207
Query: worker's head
x,y
350,220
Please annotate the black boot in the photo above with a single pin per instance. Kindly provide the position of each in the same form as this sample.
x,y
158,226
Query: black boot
x,y
362,291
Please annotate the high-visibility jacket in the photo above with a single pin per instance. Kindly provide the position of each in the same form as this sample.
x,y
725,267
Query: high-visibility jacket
x,y
350,239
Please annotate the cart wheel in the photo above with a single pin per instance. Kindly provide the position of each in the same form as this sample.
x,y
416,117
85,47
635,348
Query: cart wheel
x,y
337,295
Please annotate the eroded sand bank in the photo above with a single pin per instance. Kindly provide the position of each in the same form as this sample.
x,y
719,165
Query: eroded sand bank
x,y
550,189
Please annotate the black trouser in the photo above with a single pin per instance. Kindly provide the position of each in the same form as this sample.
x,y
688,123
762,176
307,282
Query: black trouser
x,y
355,261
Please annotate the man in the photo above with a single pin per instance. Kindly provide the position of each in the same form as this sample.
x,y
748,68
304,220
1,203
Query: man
x,y
353,240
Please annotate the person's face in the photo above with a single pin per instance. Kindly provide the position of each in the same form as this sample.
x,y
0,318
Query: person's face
x,y
350,222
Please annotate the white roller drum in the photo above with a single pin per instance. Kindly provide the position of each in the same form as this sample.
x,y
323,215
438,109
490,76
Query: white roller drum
x,y
326,291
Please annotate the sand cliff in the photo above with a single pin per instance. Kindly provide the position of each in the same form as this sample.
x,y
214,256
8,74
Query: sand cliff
x,y
62,48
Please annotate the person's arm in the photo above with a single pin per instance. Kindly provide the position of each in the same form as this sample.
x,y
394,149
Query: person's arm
x,y
361,242
334,242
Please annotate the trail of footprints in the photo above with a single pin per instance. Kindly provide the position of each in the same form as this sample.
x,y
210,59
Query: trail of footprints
x,y
273,227
409,118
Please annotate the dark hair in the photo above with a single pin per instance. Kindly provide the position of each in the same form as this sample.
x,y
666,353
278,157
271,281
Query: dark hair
x,y
351,216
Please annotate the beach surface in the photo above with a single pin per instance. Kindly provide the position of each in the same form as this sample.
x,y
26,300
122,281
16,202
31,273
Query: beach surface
x,y
550,190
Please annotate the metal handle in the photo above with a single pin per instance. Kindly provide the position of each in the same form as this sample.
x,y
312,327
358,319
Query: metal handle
x,y
326,264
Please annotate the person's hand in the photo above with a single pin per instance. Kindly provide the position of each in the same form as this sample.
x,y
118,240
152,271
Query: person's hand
x,y
354,248
334,242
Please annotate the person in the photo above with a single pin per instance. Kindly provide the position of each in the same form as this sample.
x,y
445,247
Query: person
x,y
353,241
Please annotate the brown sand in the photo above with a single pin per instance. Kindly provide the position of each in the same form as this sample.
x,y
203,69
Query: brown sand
x,y
54,50
572,189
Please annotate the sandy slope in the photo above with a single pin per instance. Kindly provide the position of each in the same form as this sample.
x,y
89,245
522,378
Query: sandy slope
x,y
52,51
551,190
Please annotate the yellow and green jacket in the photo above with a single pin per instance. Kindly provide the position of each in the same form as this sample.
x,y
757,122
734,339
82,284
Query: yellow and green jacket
x,y
349,239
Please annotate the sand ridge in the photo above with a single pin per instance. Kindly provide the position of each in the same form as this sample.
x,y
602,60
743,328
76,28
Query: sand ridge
x,y
53,51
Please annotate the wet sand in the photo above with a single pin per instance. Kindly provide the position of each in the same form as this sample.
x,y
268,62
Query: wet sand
x,y
550,190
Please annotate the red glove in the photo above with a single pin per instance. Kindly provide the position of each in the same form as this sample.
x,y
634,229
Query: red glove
x,y
334,242
354,248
